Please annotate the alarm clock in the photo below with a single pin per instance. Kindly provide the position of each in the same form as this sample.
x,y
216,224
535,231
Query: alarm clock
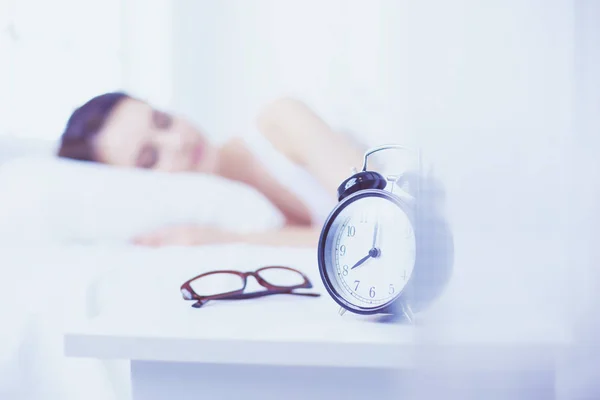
x,y
377,252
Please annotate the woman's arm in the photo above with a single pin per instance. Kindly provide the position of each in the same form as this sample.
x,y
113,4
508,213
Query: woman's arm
x,y
196,235
295,130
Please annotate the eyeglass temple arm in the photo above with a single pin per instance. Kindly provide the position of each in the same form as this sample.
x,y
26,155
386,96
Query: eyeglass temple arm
x,y
242,296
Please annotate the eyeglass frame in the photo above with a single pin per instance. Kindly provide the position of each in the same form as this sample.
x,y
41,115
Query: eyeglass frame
x,y
189,294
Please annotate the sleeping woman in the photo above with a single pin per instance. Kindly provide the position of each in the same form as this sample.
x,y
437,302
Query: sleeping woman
x,y
296,161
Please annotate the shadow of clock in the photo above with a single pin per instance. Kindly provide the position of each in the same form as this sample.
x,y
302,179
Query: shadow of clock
x,y
434,261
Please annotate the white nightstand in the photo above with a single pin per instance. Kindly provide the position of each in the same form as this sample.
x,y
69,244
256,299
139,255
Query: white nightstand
x,y
288,347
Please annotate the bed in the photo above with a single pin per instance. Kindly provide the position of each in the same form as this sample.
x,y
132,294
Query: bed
x,y
63,224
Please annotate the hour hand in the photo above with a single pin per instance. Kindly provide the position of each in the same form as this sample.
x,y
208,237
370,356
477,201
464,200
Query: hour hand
x,y
362,260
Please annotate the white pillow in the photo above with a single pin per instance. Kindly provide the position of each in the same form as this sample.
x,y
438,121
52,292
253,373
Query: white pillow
x,y
12,147
48,199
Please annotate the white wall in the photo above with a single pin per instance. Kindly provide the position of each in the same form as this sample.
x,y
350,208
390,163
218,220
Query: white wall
x,y
147,49
343,57
52,61
491,94
53,56
580,376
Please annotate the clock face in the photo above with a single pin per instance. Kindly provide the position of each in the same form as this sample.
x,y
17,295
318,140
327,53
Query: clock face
x,y
369,250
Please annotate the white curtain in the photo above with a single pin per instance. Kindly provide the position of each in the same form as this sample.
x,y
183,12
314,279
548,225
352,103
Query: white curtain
x,y
53,56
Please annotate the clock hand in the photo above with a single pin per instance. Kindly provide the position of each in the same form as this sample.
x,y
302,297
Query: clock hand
x,y
374,252
375,232
362,260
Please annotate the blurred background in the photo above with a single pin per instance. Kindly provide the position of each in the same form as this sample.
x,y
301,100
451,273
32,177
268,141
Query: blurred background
x,y
501,96
491,91
380,68
495,82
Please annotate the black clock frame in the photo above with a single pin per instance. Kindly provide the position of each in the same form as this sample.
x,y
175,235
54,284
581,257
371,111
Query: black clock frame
x,y
395,305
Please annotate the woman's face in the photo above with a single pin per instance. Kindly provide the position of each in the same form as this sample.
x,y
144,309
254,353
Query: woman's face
x,y
137,135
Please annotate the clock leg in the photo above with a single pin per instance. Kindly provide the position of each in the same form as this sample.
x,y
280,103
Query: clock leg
x,y
407,312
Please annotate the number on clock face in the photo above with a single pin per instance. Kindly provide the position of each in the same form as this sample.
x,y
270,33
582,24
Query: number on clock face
x,y
373,251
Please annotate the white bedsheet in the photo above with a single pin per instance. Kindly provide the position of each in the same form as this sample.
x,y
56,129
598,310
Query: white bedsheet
x,y
44,289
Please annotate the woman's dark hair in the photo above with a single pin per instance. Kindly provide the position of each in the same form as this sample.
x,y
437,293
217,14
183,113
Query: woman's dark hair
x,y
84,123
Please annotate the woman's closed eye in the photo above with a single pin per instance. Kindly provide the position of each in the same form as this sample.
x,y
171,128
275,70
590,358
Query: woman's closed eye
x,y
161,119
148,157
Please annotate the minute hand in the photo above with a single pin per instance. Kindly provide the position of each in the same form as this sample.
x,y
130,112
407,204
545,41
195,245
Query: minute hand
x,y
375,232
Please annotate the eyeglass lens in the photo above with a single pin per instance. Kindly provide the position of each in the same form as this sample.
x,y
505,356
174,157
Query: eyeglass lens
x,y
217,283
281,277
225,282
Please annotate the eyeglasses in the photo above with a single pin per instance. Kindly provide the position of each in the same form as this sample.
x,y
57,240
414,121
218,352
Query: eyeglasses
x,y
230,285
